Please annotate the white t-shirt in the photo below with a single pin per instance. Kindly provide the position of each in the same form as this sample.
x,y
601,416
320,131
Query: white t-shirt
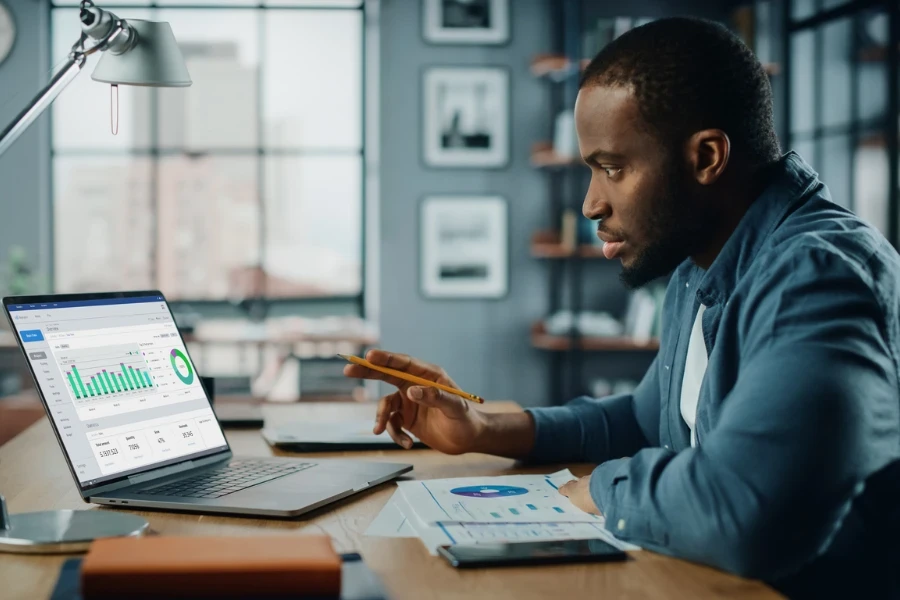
x,y
694,370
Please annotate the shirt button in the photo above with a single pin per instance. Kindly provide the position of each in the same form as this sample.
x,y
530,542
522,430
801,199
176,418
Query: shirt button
x,y
667,446
621,524
687,285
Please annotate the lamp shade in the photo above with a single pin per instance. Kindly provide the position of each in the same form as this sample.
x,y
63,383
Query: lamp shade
x,y
154,59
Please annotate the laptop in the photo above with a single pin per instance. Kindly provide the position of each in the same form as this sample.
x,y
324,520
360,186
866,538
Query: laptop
x,y
135,424
331,437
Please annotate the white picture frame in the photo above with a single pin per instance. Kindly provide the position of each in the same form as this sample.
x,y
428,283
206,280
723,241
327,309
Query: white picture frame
x,y
465,21
464,247
466,117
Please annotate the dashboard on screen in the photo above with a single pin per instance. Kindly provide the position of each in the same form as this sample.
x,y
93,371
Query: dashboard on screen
x,y
118,383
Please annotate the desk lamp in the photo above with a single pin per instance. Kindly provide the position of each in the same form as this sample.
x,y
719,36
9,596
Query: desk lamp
x,y
135,53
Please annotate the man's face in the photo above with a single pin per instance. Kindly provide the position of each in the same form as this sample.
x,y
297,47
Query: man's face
x,y
640,190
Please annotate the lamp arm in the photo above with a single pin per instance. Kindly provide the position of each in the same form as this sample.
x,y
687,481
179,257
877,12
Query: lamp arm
x,y
41,102
118,39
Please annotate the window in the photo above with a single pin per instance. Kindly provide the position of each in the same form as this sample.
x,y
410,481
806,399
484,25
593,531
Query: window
x,y
249,182
842,105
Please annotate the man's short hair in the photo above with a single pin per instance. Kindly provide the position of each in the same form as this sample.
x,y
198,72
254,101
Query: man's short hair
x,y
690,74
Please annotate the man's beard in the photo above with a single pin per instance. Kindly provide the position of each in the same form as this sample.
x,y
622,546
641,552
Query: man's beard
x,y
676,229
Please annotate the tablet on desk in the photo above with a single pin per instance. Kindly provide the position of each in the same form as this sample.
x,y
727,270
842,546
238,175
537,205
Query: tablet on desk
x,y
331,437
531,553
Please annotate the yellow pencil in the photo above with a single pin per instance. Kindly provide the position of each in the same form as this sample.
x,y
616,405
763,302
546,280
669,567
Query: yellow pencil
x,y
411,378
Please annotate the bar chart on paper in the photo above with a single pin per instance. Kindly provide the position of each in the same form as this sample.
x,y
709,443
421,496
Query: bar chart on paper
x,y
505,499
107,371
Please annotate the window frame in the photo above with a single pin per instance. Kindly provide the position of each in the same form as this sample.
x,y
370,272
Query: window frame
x,y
154,152
815,22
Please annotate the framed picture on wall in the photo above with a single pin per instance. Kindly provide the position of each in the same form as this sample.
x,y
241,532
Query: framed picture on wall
x,y
464,251
466,117
466,21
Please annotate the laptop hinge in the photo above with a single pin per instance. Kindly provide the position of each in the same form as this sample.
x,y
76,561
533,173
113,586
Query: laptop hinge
x,y
179,468
158,473
163,472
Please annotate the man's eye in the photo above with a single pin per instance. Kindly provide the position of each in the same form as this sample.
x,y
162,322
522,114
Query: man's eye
x,y
612,171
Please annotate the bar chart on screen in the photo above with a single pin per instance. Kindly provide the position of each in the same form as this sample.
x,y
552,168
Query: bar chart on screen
x,y
110,380
105,372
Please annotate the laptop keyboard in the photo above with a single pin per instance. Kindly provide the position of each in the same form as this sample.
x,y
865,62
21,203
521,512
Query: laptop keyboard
x,y
238,475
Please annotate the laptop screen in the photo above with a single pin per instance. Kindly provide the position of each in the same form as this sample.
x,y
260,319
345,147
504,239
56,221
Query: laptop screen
x,y
119,385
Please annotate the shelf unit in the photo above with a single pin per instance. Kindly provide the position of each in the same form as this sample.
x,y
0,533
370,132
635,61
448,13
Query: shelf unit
x,y
873,53
546,244
567,180
564,343
543,156
557,67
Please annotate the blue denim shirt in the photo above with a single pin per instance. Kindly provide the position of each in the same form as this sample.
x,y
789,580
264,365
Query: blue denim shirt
x,y
798,412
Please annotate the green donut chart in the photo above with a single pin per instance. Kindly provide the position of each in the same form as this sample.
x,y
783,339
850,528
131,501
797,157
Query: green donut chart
x,y
186,378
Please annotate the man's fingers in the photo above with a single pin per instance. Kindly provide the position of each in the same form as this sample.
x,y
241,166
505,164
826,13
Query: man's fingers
x,y
357,371
386,406
566,488
450,404
395,430
361,372
403,362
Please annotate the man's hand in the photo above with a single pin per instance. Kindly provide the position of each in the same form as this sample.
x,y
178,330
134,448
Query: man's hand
x,y
443,421
579,493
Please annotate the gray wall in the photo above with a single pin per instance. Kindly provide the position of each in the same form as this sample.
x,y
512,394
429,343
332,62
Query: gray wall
x,y
484,344
25,168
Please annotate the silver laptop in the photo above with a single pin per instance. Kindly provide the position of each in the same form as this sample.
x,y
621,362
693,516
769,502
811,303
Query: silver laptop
x,y
135,424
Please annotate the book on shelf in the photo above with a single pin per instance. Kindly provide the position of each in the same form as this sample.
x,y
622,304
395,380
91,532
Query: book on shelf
x,y
569,231
586,323
659,297
565,138
743,20
639,316
643,316
606,29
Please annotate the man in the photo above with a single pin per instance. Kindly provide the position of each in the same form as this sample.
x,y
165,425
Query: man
x,y
761,439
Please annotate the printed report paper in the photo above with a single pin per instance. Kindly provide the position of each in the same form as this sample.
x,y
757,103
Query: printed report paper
x,y
452,534
506,499
391,522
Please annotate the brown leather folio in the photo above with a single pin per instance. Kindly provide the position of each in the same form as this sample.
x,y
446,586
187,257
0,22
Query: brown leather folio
x,y
220,567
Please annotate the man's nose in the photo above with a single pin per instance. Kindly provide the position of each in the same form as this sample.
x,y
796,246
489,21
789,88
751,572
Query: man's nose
x,y
595,208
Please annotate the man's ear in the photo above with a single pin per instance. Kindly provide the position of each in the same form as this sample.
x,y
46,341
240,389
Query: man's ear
x,y
707,155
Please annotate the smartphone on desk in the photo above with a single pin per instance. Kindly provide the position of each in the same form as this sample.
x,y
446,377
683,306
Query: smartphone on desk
x,y
531,553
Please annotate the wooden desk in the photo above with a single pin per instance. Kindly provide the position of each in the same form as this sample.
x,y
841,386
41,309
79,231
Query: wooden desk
x,y
33,476
17,413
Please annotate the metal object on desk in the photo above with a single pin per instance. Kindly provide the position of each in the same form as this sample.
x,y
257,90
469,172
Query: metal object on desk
x,y
209,386
240,416
233,415
63,531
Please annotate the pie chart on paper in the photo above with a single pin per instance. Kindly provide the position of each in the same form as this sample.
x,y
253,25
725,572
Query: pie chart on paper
x,y
489,491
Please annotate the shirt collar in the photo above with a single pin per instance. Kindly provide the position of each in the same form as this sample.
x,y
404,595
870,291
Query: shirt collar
x,y
791,178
